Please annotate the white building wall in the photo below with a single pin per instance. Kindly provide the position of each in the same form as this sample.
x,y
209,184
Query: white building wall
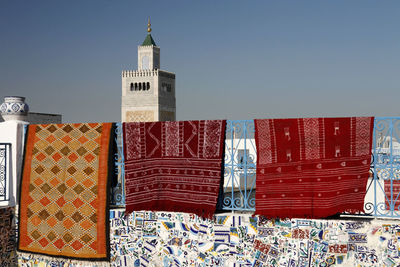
x,y
13,132
139,105
155,104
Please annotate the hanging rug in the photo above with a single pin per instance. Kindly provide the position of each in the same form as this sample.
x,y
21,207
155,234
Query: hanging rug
x,y
312,167
64,191
173,165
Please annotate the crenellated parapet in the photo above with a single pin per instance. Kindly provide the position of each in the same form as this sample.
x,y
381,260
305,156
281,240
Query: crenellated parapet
x,y
140,73
148,73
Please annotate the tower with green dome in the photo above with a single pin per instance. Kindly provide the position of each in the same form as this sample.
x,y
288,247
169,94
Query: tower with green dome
x,y
148,93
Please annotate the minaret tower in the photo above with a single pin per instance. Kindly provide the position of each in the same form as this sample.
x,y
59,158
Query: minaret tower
x,y
148,93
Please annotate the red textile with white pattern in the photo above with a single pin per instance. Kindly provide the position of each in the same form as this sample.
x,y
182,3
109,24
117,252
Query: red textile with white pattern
x,y
173,166
312,167
392,192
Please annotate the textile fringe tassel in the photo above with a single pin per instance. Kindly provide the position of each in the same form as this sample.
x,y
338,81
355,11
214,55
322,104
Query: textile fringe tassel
x,y
60,261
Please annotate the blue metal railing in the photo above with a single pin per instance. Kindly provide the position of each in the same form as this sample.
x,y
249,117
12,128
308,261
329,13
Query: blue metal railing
x,y
118,192
5,153
383,200
240,166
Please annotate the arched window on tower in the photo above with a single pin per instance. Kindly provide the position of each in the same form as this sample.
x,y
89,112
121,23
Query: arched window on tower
x,y
144,86
131,86
140,86
136,87
148,86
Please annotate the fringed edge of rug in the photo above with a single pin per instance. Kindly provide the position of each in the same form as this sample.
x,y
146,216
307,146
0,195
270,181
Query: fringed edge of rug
x,y
297,216
53,259
201,213
353,211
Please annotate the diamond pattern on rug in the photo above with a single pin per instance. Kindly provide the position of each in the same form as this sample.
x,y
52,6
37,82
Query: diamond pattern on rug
x,y
61,214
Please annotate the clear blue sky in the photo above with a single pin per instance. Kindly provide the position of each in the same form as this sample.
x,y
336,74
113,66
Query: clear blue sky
x,y
232,59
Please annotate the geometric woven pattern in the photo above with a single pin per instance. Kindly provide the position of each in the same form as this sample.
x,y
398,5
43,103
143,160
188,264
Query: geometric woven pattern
x,y
312,167
392,193
140,115
173,165
64,191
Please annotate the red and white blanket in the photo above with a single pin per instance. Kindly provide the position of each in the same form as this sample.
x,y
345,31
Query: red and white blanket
x,y
312,167
173,166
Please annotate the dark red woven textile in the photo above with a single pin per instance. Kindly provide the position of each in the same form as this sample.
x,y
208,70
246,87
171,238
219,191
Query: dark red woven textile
x,y
173,166
392,193
312,167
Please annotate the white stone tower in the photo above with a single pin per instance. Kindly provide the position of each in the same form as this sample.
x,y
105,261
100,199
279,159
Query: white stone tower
x,y
148,93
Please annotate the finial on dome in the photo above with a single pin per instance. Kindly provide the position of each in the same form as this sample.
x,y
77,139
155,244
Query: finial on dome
x,y
148,26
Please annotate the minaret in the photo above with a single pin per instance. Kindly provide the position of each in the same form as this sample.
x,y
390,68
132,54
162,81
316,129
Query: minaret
x,y
148,93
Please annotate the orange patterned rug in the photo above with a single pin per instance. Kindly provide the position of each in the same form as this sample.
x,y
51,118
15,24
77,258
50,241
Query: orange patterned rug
x,y
64,191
